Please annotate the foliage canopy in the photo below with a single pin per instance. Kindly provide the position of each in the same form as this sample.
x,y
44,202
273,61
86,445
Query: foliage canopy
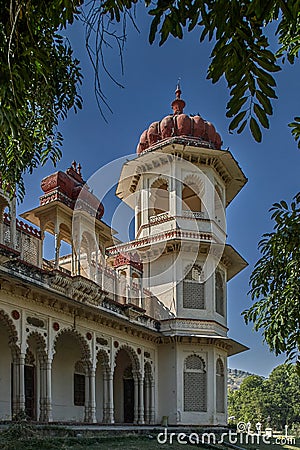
x,y
40,77
274,401
275,283
39,83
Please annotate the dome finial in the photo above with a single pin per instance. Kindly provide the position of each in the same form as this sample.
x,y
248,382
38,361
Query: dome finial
x,y
178,90
178,104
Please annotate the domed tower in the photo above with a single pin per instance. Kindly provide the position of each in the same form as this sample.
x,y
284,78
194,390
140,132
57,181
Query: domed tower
x,y
179,186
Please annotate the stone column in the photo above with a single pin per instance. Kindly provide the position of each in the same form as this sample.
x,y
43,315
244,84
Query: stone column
x,y
92,385
57,242
103,277
89,263
48,391
105,397
136,400
87,397
152,403
73,260
21,383
42,373
147,401
110,409
15,387
145,202
136,215
96,268
141,401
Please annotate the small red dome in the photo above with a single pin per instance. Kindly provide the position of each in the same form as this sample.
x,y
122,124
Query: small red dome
x,y
179,124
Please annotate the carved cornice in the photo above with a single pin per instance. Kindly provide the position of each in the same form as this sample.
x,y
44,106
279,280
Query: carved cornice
x,y
7,253
98,310
182,326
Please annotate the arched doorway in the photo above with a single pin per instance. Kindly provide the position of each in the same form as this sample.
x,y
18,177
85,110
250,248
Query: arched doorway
x,y
9,354
126,386
70,370
128,395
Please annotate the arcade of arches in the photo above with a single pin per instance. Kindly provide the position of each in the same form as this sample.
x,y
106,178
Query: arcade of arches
x,y
102,391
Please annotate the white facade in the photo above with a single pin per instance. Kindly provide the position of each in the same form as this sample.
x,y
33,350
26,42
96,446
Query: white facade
x,y
128,333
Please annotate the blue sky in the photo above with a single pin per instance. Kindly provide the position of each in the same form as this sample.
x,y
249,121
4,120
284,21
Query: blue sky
x,y
150,77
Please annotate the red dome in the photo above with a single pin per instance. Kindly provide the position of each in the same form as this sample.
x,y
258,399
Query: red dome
x,y
66,187
179,124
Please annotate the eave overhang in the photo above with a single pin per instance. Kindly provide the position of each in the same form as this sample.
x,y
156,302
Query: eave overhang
x,y
221,160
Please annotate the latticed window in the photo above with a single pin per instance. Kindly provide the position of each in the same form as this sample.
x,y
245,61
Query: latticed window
x,y
194,289
219,293
29,247
220,385
195,384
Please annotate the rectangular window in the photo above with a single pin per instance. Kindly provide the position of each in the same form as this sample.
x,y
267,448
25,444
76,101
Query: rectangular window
x,y
79,389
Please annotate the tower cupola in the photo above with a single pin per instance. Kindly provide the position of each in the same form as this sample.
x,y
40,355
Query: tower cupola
x,y
179,124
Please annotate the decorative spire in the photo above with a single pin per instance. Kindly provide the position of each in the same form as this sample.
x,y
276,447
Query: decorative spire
x,y
178,104
178,90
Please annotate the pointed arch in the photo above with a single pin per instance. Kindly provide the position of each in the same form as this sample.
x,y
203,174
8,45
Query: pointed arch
x,y
219,293
192,193
103,359
220,386
159,196
71,351
158,182
148,374
194,182
126,395
41,345
83,345
13,337
9,358
132,355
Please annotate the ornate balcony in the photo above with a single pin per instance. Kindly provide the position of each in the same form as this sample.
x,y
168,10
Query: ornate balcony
x,y
194,215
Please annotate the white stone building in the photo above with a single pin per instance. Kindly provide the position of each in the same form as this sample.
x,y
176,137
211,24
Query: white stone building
x,y
124,332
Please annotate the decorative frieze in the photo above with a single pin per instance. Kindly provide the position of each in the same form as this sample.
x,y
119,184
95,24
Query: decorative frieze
x,y
182,325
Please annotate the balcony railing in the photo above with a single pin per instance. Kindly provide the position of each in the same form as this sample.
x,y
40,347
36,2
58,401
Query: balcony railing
x,y
23,238
159,217
194,214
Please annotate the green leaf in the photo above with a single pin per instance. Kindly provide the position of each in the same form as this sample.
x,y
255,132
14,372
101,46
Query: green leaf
x,y
255,130
235,122
242,127
265,102
261,115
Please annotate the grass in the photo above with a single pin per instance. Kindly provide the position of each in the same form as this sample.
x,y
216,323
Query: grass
x,y
272,445
22,436
92,443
